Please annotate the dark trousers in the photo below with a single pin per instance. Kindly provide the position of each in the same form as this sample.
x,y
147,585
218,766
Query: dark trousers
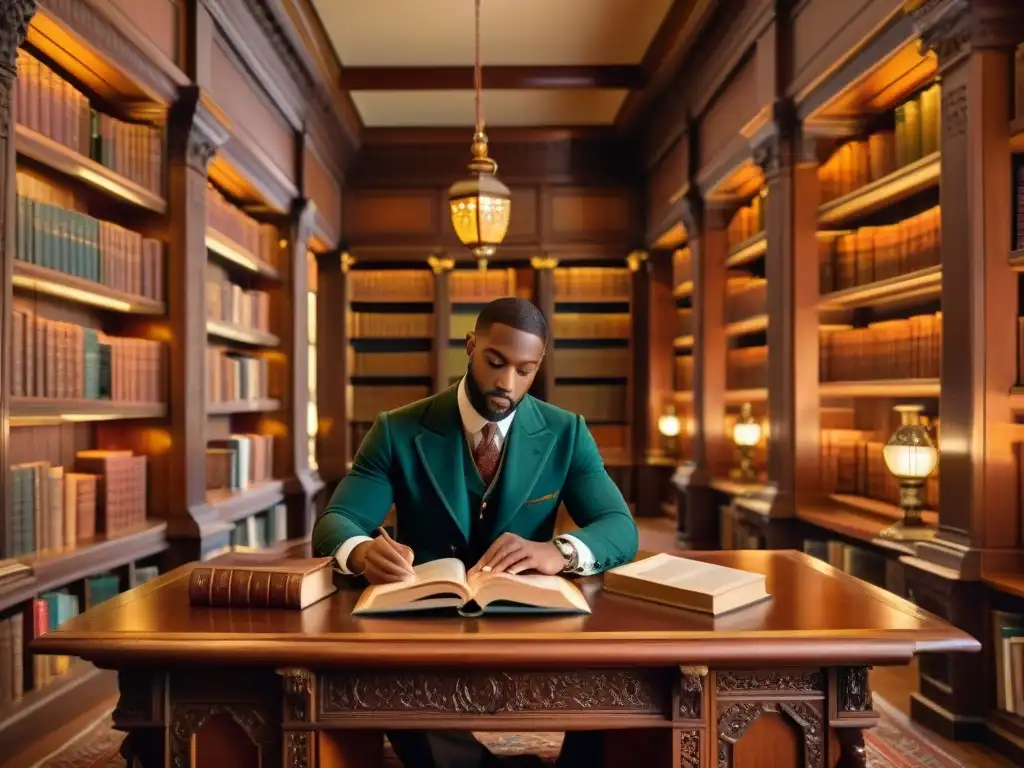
x,y
460,749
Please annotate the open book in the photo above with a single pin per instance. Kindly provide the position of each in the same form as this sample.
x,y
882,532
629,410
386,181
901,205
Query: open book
x,y
685,583
445,584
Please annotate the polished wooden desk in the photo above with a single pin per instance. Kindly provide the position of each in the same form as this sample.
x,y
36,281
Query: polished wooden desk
x,y
784,681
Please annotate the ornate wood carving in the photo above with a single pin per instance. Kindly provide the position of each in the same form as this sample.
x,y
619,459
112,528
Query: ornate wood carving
x,y
854,694
488,693
188,719
689,749
15,16
744,681
198,132
735,719
298,746
87,21
298,694
954,111
952,28
691,692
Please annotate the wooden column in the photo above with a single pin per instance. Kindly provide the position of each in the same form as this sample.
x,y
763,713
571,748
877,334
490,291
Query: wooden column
x,y
544,297
698,523
16,15
441,266
334,392
791,173
196,132
654,323
979,513
291,454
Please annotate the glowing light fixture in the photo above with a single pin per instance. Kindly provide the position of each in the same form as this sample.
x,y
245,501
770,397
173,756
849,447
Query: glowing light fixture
x,y
746,433
480,205
911,457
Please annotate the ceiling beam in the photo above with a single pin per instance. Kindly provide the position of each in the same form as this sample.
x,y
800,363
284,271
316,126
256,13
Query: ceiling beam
x,y
461,78
672,41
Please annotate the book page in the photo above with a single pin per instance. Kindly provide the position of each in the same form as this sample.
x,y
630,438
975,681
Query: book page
x,y
446,569
693,575
529,589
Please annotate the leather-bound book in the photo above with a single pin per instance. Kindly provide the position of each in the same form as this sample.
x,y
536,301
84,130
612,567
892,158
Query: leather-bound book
x,y
258,582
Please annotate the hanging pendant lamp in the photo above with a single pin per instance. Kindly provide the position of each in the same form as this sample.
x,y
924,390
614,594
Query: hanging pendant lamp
x,y
480,205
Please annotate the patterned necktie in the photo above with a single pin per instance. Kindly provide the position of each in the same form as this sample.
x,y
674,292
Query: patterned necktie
x,y
486,454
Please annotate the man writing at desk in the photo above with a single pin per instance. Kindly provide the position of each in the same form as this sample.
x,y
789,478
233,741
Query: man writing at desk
x,y
478,472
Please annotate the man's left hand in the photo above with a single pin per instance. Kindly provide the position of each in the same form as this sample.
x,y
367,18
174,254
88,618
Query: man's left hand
x,y
512,554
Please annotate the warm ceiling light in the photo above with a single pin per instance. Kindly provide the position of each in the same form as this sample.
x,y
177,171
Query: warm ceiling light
x,y
480,205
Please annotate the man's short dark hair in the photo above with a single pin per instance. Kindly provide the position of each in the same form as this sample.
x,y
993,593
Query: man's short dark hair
x,y
516,313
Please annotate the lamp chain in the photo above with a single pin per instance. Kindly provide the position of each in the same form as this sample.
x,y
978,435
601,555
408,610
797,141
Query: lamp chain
x,y
477,79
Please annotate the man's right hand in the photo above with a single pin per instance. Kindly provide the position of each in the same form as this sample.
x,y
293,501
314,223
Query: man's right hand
x,y
382,560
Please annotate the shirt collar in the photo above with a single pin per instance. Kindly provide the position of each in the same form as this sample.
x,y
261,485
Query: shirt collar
x,y
472,421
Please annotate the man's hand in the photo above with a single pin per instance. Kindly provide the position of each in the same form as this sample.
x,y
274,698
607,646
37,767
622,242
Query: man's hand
x,y
382,560
513,554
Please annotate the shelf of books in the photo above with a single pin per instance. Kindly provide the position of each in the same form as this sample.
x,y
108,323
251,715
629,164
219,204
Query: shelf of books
x,y
746,318
469,288
682,377
880,322
391,327
1006,590
244,255
592,354
88,372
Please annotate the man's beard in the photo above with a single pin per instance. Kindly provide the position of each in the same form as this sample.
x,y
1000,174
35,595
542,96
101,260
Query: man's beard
x,y
478,398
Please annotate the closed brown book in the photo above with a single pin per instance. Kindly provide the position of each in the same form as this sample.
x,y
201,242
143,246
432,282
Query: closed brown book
x,y
257,582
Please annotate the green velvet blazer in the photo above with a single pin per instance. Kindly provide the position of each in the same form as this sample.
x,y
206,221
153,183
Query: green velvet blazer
x,y
412,458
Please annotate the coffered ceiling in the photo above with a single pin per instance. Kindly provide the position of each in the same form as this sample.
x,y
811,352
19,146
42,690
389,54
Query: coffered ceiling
x,y
408,63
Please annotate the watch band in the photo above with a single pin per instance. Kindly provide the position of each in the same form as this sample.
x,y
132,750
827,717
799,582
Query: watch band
x,y
569,552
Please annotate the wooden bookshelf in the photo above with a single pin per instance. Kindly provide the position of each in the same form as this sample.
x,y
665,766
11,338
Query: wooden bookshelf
x,y
111,231
900,184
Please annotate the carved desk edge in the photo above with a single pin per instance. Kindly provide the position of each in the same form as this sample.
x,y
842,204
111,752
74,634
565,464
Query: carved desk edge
x,y
708,710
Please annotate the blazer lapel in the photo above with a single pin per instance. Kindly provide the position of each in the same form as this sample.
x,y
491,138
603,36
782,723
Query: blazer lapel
x,y
529,446
439,445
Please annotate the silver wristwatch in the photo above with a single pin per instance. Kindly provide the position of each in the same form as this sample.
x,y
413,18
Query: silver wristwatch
x,y
572,557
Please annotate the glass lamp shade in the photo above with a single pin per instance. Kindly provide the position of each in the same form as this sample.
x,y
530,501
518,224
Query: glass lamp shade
x,y
746,434
910,454
669,424
480,207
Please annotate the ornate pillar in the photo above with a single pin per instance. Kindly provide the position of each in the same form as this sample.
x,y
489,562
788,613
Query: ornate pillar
x,y
790,168
16,15
544,298
334,391
979,519
706,227
196,132
291,455
441,266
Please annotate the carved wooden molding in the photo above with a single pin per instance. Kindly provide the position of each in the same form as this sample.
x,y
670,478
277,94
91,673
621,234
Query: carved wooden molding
x,y
735,719
691,692
88,22
762,682
188,719
298,694
14,18
298,749
852,690
952,28
197,132
488,693
689,749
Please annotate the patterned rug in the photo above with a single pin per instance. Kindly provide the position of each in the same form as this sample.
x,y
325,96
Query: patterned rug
x,y
894,743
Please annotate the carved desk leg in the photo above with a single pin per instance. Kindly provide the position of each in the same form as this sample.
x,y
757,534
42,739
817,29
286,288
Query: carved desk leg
x,y
141,714
850,713
299,746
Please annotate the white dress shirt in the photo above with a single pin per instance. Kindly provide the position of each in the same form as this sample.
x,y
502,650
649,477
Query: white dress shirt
x,y
473,426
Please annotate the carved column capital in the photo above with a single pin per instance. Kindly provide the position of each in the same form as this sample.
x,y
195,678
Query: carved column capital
x,y
14,18
691,209
953,28
635,260
304,212
440,264
543,262
199,129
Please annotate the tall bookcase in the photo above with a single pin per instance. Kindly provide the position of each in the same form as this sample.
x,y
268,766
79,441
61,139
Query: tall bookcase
x,y
158,355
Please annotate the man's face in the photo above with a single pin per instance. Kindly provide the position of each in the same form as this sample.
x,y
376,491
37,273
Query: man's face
x,y
502,365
